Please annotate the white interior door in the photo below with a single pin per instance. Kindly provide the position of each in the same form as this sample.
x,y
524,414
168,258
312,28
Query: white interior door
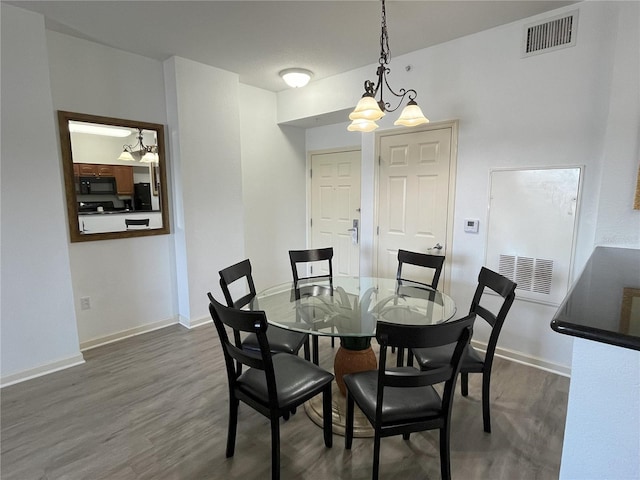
x,y
335,205
413,195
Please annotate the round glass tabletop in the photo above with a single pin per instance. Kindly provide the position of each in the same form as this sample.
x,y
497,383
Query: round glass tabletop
x,y
352,306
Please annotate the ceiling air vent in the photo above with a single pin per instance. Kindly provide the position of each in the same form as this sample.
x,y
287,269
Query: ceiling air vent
x,y
552,34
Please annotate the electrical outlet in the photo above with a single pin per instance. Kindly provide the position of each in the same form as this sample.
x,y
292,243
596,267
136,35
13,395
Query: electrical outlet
x,y
85,303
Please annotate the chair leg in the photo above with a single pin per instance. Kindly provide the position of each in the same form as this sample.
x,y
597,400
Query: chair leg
x,y
233,423
486,415
348,431
327,417
307,353
314,339
275,448
464,383
445,465
376,456
409,358
400,358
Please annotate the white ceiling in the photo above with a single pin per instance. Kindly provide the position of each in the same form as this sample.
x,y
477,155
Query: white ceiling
x,y
257,39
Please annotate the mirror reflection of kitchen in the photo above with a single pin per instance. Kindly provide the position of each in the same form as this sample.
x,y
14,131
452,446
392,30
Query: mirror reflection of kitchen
x,y
116,177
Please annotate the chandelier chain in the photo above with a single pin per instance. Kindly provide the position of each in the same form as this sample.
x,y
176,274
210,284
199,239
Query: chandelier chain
x,y
385,51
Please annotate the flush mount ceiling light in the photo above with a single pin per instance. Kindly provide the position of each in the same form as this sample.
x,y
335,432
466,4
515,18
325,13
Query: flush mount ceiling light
x,y
369,109
296,77
139,151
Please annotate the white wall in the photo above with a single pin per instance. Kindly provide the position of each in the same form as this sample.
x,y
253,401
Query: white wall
x,y
204,117
131,282
273,187
602,433
575,106
618,224
37,317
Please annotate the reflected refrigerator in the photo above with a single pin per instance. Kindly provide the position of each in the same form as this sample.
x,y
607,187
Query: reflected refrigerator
x,y
142,196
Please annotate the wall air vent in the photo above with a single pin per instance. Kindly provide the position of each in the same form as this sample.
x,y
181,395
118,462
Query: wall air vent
x,y
552,34
531,274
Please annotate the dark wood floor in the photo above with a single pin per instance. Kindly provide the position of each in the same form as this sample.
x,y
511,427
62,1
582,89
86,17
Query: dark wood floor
x,y
155,407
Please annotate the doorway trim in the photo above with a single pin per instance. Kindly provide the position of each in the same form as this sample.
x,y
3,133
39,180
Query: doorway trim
x,y
453,169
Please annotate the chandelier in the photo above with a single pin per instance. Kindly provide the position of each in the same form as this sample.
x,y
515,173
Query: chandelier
x,y
369,109
139,151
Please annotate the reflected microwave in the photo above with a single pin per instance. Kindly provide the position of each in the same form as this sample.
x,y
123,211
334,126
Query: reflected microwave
x,y
97,186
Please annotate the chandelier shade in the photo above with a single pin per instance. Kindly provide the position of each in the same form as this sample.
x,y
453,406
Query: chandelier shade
x,y
369,108
362,125
126,156
411,116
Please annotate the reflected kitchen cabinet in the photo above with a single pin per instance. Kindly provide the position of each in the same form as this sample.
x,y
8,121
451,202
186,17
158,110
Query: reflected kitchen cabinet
x,y
124,179
94,170
87,169
105,170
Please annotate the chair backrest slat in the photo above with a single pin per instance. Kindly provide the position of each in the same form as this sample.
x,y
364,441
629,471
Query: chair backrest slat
x,y
434,262
246,357
412,377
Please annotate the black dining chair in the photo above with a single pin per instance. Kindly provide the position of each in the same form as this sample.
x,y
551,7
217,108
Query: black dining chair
x,y
273,385
402,400
432,262
473,361
280,340
308,283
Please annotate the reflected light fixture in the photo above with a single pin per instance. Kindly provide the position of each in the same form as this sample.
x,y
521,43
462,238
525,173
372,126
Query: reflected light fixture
x,y
369,109
95,129
139,151
296,77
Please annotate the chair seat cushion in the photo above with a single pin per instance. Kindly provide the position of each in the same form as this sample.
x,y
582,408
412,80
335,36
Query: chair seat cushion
x,y
435,357
296,380
398,404
280,340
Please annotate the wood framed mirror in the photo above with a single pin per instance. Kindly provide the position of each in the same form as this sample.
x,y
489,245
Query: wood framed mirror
x,y
115,177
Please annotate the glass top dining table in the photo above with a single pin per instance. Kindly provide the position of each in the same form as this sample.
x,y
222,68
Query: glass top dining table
x,y
352,306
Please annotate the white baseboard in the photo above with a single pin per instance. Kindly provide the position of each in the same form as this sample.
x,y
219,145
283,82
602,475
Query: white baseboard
x,y
41,370
185,322
528,360
97,342
132,332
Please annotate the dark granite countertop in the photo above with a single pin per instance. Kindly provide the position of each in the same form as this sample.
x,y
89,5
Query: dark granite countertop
x,y
604,303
